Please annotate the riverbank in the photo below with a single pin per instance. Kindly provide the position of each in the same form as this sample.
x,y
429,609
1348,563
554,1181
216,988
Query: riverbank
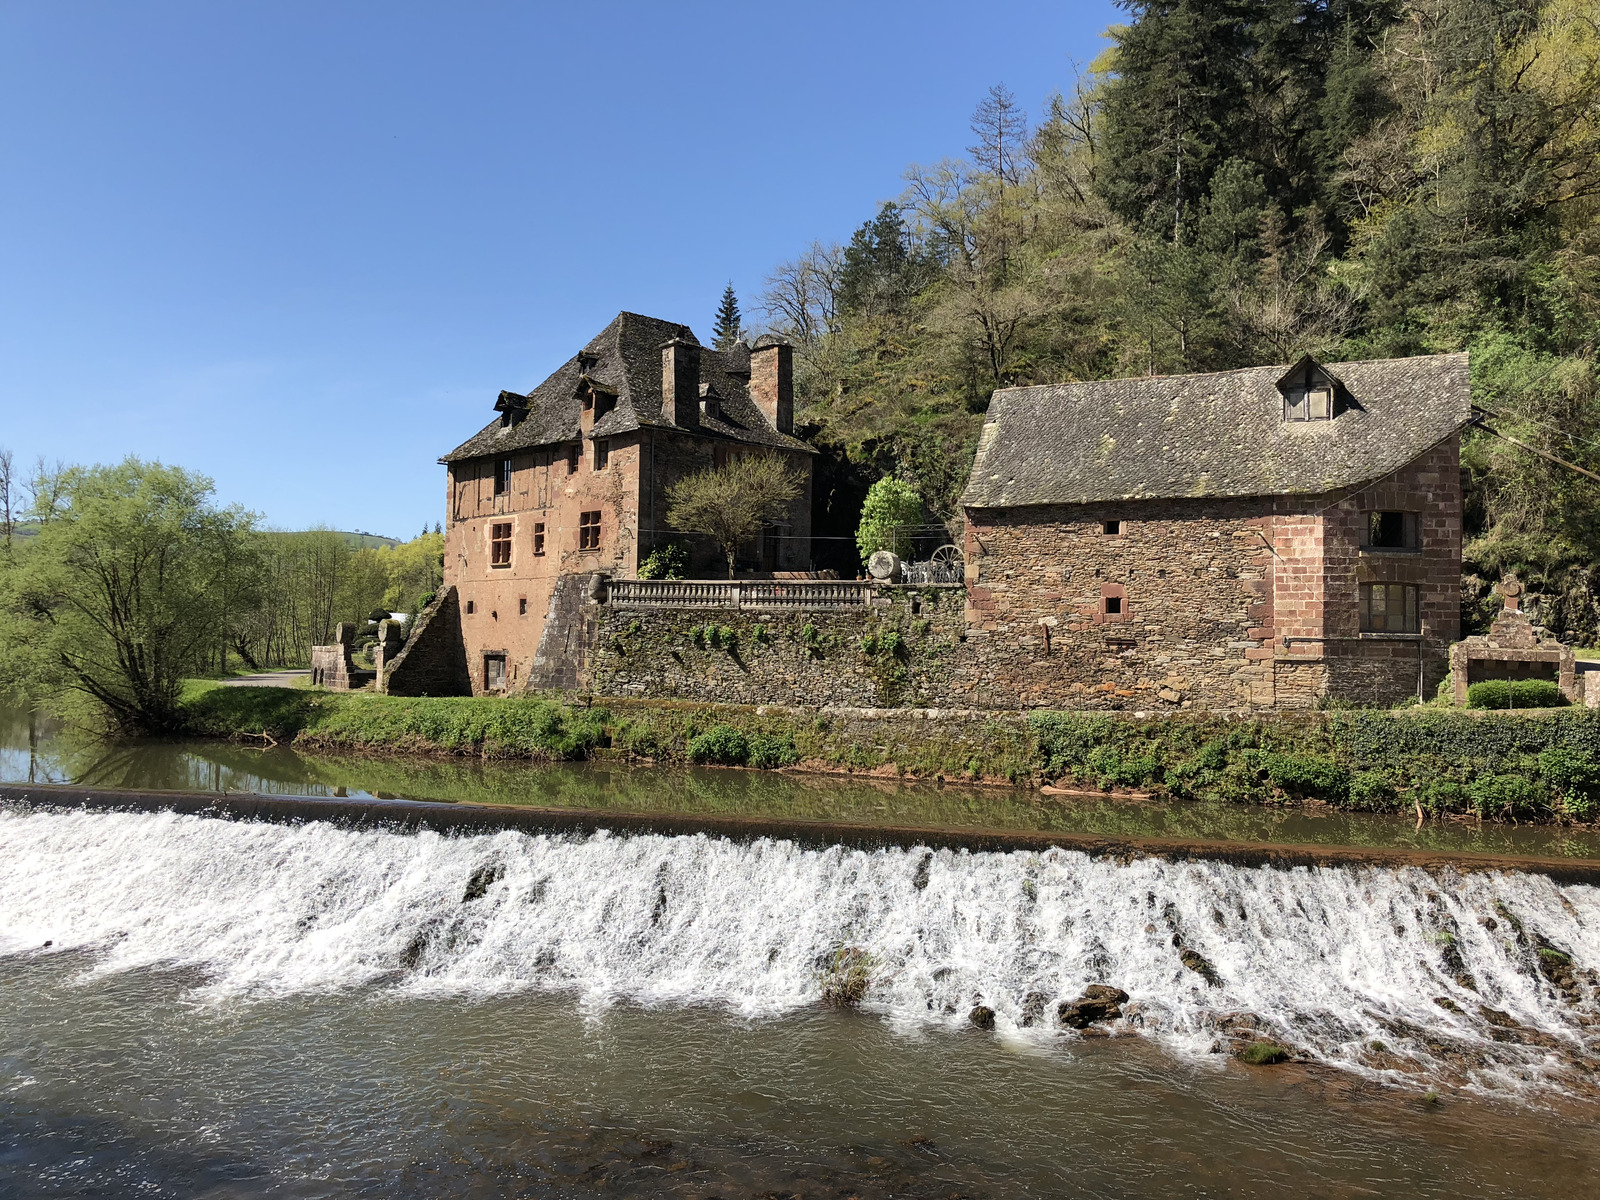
x,y
1516,767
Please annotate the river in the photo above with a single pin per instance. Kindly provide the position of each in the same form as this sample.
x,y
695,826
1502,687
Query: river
x,y
196,1006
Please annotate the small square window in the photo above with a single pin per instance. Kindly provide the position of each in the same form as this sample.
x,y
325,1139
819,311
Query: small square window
x,y
502,477
471,608
1111,528
1390,531
589,531
1113,606
538,539
500,544
522,606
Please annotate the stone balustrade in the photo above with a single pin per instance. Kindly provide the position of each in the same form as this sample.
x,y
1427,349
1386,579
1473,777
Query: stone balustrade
x,y
745,594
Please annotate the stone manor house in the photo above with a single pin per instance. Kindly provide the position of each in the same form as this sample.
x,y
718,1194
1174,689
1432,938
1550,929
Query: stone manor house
x,y
1242,540
569,483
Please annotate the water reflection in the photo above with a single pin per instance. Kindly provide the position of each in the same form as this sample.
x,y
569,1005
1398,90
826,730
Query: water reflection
x,y
45,752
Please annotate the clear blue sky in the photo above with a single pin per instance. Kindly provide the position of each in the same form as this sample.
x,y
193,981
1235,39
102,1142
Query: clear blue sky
x,y
302,246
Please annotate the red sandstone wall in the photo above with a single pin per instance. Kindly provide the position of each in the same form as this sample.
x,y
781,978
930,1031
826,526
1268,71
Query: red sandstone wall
x,y
541,490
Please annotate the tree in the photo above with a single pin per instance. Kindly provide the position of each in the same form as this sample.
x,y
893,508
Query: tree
x,y
733,503
729,328
801,299
890,518
125,589
9,499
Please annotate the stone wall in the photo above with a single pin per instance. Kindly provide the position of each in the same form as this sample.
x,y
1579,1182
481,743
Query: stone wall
x,y
903,651
433,661
1169,608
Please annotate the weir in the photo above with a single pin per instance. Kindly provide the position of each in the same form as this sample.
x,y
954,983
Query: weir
x,y
443,817
1484,978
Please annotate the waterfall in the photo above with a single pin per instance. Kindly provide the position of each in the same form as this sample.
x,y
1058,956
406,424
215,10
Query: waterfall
x,y
1485,980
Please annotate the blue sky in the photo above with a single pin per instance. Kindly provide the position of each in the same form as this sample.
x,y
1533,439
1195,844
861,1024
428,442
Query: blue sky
x,y
249,238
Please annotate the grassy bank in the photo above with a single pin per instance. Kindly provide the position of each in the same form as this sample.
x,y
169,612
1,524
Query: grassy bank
x,y
1499,766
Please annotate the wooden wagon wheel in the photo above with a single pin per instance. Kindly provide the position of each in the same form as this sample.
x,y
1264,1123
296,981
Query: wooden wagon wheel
x,y
947,554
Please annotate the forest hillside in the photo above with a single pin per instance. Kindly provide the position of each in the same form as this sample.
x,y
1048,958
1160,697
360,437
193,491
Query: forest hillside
x,y
1231,184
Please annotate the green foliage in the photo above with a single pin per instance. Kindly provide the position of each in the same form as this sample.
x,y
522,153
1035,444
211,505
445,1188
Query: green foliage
x,y
889,518
721,745
1506,797
1515,693
132,582
1263,1054
1509,767
665,562
771,751
492,727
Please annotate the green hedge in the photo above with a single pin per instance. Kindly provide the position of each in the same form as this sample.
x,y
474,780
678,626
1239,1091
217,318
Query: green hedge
x,y
1543,765
1515,693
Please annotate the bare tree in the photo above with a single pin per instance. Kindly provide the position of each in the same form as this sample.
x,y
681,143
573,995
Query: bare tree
x,y
48,489
1001,128
801,299
8,499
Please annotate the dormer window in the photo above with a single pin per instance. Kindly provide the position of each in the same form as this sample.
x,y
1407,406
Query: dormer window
x,y
1308,404
1310,392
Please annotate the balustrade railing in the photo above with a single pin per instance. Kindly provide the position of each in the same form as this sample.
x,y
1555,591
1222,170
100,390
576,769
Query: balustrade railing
x,y
798,594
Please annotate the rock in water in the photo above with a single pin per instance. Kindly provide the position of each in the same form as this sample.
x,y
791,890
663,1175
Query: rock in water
x,y
1200,965
1098,1003
919,878
982,1016
482,878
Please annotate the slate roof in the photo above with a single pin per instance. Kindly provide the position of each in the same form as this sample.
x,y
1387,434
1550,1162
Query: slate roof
x,y
624,359
1220,434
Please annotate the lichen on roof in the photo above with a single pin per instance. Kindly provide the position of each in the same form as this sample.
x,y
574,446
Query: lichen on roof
x,y
1211,435
624,360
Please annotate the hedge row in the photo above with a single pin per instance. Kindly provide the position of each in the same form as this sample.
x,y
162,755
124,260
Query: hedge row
x,y
1538,766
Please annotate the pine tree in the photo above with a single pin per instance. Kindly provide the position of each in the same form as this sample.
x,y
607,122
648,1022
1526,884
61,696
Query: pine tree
x,y
728,330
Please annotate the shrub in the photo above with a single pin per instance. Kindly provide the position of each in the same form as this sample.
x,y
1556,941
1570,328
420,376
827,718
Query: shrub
x,y
890,516
721,744
847,977
1371,791
1515,693
1444,796
770,751
1505,796
1306,776
1576,777
665,562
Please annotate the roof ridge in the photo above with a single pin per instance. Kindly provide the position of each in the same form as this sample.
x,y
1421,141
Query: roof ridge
x,y
1280,367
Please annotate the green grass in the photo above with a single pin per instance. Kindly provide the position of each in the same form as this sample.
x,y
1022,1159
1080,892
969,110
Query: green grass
x,y
1263,1054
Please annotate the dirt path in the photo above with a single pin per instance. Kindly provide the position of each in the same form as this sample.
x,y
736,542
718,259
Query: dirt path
x,y
267,679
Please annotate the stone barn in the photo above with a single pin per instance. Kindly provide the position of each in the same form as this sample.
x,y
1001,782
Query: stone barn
x,y
567,485
1260,538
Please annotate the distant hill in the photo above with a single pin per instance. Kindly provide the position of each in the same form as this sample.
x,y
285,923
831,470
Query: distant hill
x,y
362,540
358,539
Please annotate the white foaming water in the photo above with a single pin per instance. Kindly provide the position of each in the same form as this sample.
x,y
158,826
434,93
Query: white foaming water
x,y
1328,960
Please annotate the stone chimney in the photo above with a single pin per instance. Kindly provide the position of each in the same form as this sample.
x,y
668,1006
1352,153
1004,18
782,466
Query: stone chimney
x,y
680,382
772,381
